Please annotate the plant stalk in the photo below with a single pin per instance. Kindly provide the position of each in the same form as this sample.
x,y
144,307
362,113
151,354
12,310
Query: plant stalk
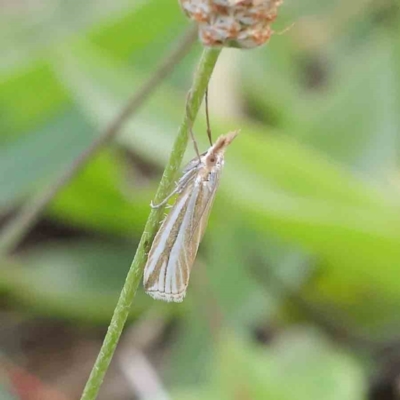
x,y
121,312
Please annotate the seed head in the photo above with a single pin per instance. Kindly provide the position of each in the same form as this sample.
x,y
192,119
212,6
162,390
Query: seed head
x,y
233,23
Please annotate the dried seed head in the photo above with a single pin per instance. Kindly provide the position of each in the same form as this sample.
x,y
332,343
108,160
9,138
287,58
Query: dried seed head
x,y
233,23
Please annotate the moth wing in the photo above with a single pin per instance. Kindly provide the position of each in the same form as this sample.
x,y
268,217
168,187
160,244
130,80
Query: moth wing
x,y
168,266
175,246
204,211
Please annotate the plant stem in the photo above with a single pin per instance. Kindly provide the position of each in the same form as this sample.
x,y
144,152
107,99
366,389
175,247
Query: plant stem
x,y
20,225
201,79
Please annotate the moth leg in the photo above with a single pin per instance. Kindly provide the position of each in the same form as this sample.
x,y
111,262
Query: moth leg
x,y
188,113
178,189
154,206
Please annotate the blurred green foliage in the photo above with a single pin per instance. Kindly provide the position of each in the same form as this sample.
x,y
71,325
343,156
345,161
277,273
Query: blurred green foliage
x,y
309,202
299,365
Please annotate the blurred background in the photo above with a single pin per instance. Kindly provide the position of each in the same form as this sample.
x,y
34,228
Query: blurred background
x,y
295,293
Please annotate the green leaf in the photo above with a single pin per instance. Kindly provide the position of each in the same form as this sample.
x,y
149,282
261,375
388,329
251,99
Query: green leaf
x,y
101,87
230,279
138,35
24,104
299,365
30,92
100,199
76,280
29,162
357,123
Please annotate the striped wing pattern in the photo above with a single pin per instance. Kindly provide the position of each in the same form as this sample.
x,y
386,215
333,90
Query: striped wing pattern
x,y
175,246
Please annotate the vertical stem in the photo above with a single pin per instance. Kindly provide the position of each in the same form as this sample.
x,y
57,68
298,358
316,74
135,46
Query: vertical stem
x,y
201,79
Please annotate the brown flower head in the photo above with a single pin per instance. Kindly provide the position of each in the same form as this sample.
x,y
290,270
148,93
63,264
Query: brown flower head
x,y
233,23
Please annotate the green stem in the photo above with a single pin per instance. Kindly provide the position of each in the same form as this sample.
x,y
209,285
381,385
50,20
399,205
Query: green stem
x,y
121,312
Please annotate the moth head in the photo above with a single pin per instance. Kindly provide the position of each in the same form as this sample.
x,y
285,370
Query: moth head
x,y
215,155
213,160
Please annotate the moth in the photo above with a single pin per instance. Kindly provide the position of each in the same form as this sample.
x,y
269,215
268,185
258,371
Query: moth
x,y
171,257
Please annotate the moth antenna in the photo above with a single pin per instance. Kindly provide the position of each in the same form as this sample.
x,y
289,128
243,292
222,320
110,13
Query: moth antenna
x,y
188,113
196,148
208,117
